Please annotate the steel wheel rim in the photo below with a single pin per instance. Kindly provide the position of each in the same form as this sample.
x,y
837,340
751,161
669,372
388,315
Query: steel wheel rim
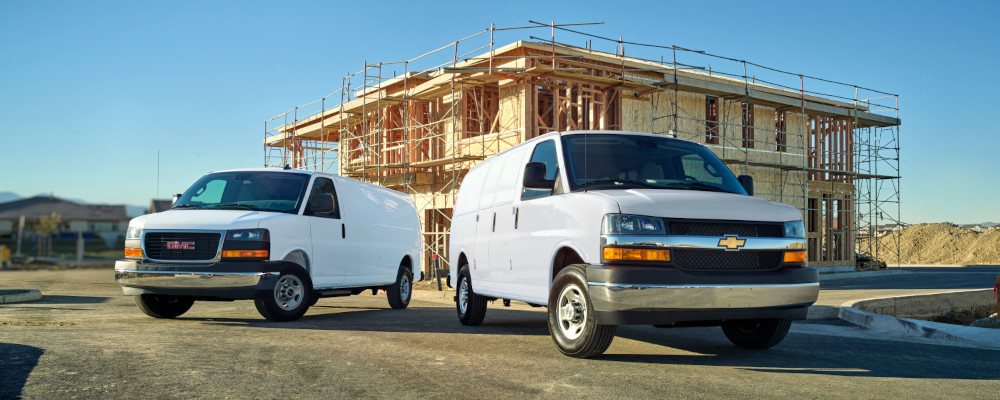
x,y
572,312
288,292
463,295
404,287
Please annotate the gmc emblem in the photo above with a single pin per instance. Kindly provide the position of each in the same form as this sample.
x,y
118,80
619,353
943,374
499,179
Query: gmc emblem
x,y
180,245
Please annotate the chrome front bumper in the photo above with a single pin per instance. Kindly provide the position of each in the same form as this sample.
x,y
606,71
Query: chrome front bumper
x,y
190,280
224,279
629,297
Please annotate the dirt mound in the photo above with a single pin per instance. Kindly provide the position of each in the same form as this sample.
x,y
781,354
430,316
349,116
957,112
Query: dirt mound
x,y
943,243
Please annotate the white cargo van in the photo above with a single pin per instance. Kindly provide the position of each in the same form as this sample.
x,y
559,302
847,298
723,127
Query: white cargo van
x,y
283,238
614,228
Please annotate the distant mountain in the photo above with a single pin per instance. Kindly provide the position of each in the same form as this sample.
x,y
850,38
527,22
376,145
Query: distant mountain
x,y
988,224
9,196
130,210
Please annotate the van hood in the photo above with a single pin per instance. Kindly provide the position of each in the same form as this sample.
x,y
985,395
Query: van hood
x,y
698,204
204,219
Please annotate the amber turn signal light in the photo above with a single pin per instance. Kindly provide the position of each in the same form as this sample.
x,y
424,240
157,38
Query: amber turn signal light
x,y
795,257
133,252
619,254
244,254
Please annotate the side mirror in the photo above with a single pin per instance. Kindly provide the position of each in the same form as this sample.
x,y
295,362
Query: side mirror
x,y
176,197
747,182
534,177
324,204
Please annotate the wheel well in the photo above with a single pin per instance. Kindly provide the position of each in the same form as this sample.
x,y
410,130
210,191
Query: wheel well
x,y
565,257
407,262
461,261
299,257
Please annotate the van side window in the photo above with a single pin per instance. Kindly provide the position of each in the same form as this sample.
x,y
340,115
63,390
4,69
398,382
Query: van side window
x,y
545,153
323,187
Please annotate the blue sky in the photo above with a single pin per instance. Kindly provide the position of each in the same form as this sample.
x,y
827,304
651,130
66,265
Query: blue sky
x,y
91,91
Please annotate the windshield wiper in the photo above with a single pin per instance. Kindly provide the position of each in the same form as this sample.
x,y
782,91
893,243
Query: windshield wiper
x,y
238,206
699,185
623,181
186,206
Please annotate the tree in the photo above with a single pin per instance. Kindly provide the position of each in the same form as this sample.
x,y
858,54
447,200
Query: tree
x,y
46,227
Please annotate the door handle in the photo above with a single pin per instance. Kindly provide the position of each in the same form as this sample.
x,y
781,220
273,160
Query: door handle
x,y
343,232
494,221
517,213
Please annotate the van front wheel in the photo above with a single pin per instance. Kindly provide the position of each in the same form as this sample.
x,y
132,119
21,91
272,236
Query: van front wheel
x,y
471,306
289,300
572,320
756,333
160,306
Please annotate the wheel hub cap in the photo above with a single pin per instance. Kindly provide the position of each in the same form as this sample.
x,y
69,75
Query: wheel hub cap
x,y
463,295
572,312
288,292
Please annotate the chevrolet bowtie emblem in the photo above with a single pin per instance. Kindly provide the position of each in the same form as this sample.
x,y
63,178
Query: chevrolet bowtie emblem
x,y
732,243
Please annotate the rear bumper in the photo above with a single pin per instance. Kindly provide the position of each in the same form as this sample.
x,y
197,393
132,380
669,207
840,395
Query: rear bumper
x,y
643,295
227,280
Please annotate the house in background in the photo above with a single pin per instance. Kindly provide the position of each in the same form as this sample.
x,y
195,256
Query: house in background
x,y
158,205
108,222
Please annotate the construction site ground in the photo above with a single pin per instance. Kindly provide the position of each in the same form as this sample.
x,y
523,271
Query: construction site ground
x,y
84,339
939,243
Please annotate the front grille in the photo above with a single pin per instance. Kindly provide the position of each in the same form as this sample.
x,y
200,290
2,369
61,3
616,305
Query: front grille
x,y
742,229
718,260
206,245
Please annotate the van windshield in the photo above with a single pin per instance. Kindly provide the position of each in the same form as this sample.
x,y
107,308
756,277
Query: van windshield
x,y
246,190
613,161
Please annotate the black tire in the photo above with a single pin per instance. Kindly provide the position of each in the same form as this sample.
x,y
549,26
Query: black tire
x,y
471,306
288,301
162,306
756,333
399,293
572,320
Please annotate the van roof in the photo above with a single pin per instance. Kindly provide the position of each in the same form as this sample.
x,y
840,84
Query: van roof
x,y
581,132
290,171
585,132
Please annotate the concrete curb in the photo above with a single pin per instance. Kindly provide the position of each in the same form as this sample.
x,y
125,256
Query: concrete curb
x,y
21,296
854,312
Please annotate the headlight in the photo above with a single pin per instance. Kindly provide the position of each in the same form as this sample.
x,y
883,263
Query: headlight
x,y
248,234
133,233
624,224
795,229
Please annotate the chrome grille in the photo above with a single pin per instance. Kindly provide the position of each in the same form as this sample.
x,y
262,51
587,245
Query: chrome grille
x,y
719,260
742,229
206,246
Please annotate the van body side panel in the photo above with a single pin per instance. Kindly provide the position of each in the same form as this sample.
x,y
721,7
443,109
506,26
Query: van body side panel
x,y
547,223
376,234
506,213
463,223
480,258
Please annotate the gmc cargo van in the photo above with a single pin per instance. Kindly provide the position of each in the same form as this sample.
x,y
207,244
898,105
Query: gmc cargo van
x,y
615,228
283,238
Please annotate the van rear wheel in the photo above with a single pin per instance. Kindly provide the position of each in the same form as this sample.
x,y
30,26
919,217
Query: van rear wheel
x,y
756,333
399,293
572,320
471,306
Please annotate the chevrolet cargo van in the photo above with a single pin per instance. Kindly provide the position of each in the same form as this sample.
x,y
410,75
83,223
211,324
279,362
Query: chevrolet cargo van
x,y
283,238
614,228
